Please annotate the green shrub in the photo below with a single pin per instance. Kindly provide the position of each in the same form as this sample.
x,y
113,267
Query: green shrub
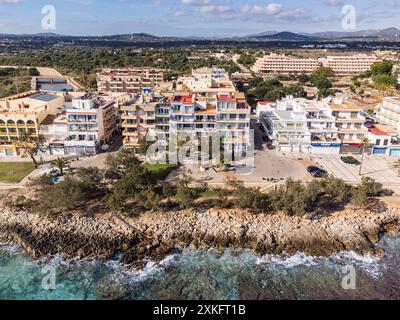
x,y
185,197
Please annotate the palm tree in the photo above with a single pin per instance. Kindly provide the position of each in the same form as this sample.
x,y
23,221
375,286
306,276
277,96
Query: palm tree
x,y
366,144
60,163
396,165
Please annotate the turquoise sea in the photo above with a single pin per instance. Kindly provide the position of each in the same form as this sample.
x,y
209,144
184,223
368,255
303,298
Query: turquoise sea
x,y
204,275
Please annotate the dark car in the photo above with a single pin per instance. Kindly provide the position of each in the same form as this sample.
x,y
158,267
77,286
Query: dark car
x,y
311,169
316,172
270,146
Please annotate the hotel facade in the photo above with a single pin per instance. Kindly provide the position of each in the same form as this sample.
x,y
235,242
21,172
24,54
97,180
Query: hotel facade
x,y
300,125
21,117
341,65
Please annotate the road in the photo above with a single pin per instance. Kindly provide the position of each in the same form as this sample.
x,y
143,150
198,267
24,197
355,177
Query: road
x,y
242,68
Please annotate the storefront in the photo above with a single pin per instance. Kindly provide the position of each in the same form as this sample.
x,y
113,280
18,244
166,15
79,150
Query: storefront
x,y
353,148
325,148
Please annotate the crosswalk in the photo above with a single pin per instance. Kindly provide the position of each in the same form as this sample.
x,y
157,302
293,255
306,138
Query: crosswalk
x,y
375,167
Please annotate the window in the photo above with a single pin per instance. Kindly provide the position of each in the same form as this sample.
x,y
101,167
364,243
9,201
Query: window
x,y
386,142
378,142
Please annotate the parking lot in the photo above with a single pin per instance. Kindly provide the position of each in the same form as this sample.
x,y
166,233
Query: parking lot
x,y
379,168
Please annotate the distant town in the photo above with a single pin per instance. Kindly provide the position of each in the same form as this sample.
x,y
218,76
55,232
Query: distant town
x,y
304,103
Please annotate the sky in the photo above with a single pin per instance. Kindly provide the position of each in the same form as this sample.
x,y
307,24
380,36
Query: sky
x,y
202,18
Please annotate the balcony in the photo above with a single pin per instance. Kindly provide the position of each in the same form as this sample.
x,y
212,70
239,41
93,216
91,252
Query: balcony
x,y
130,133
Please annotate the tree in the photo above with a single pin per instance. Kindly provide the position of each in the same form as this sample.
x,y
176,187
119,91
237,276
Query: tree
x,y
365,145
323,72
33,72
185,197
60,163
385,81
382,67
30,147
246,59
367,189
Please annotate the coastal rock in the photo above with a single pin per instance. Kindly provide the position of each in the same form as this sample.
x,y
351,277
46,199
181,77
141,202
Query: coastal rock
x,y
77,235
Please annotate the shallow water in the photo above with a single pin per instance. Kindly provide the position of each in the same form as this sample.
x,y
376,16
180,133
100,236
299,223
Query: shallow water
x,y
204,275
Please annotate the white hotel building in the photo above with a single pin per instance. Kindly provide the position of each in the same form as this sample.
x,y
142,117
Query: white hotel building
x,y
300,125
341,65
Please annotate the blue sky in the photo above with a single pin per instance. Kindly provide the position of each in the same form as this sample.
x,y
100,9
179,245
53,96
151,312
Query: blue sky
x,y
194,17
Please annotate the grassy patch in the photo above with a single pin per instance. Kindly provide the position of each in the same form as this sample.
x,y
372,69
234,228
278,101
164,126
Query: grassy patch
x,y
160,170
210,193
14,172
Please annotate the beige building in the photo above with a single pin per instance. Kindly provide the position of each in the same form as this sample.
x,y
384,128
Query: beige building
x,y
349,65
389,112
341,65
349,121
138,119
281,64
22,115
131,80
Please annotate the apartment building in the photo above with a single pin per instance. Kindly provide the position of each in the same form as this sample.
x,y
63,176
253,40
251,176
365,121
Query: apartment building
x,y
225,114
91,123
133,80
205,86
138,119
350,123
316,127
349,65
389,112
281,64
203,104
341,65
22,115
210,73
287,129
302,125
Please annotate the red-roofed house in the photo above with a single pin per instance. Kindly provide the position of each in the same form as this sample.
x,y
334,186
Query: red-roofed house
x,y
380,140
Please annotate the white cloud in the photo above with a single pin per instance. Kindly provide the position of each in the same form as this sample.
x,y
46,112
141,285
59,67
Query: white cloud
x,y
269,9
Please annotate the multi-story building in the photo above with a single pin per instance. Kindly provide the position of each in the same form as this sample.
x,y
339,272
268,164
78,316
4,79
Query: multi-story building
x,y
202,105
22,115
302,125
54,131
227,116
287,129
91,123
389,112
315,127
281,64
133,80
210,73
341,65
349,65
350,124
138,120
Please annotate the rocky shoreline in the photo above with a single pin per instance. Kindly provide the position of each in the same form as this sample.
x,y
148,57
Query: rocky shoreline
x,y
104,236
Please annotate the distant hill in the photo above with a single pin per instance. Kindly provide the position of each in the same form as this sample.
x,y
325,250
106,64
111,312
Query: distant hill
x,y
266,33
287,36
390,32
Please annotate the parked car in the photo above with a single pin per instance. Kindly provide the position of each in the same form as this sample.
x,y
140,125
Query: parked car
x,y
311,169
316,172
270,146
350,160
